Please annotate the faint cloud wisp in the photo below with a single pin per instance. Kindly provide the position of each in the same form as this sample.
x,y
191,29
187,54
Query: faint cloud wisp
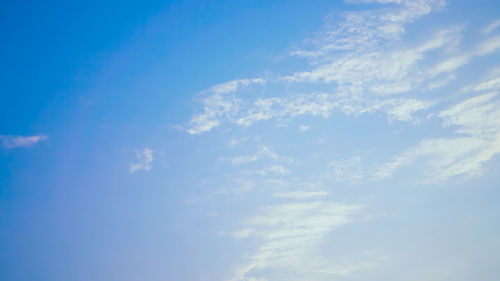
x,y
10,142
143,161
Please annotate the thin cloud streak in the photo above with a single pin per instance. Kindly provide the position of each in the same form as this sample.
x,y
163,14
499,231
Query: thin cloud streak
x,y
10,142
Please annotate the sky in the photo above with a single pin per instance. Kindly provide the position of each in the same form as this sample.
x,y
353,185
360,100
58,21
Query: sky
x,y
247,140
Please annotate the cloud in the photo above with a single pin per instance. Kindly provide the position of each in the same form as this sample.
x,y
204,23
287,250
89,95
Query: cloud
x,y
365,30
488,85
215,106
234,142
491,27
449,65
379,69
488,46
220,104
263,151
362,60
477,129
438,83
304,128
274,170
301,194
349,170
404,109
143,161
232,86
366,66
291,234
9,141
242,159
375,1
318,104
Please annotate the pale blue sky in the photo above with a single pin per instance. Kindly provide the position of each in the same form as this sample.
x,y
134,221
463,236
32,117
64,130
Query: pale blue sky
x,y
250,140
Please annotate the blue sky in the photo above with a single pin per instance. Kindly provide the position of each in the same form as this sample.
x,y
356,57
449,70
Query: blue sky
x,y
250,140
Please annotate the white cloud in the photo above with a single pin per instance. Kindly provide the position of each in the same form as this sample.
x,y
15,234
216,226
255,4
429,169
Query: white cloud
x,y
348,170
367,78
235,141
262,109
301,194
488,85
375,1
303,128
274,170
488,46
232,86
491,27
363,63
143,161
477,122
360,31
490,82
9,142
221,104
215,107
319,104
404,109
242,159
446,158
291,234
450,65
263,151
438,83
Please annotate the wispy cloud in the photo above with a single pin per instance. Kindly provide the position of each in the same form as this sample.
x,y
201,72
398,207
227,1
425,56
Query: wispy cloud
x,y
490,84
291,235
232,86
348,170
369,68
375,1
235,141
366,64
304,128
367,30
300,194
220,104
143,161
263,152
451,64
9,141
491,27
363,61
477,128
